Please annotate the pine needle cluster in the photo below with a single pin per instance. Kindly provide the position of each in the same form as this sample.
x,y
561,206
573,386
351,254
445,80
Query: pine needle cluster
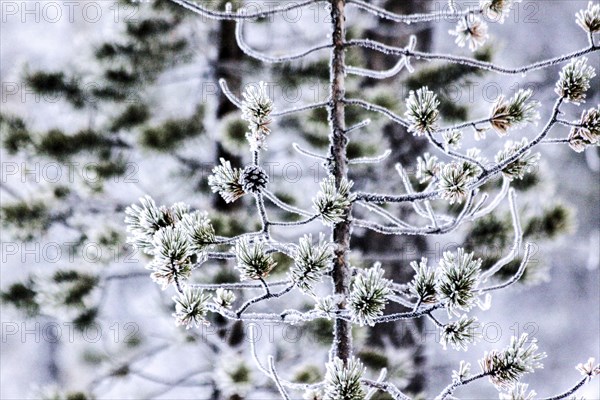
x,y
506,367
454,179
524,164
332,203
507,114
423,284
174,236
460,333
342,381
428,168
422,111
190,308
368,295
256,110
225,180
496,10
311,262
589,19
253,261
588,132
458,275
575,81
472,30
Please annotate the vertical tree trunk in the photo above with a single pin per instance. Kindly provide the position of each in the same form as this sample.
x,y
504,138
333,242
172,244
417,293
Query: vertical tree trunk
x,y
229,58
342,341
227,65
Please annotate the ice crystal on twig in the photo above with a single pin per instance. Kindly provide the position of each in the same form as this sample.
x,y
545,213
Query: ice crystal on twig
x,y
514,112
190,307
225,180
368,295
422,111
574,81
342,381
506,367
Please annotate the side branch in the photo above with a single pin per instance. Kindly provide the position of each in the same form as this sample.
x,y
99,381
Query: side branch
x,y
488,66
237,16
239,36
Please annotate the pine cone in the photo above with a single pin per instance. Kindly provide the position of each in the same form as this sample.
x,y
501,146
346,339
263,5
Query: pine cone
x,y
254,179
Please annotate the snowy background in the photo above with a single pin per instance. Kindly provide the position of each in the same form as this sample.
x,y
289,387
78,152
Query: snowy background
x,y
563,313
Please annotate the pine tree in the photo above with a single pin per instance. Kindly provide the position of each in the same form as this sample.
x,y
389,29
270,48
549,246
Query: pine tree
x,y
181,240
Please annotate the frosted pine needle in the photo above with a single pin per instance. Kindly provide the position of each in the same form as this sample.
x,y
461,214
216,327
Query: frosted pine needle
x,y
253,261
454,180
199,230
457,278
524,164
190,308
428,168
368,295
144,221
506,367
589,369
422,111
332,203
460,333
508,114
589,19
256,109
588,131
464,370
311,262
342,381
497,10
172,253
224,298
472,30
518,392
423,285
225,180
452,138
574,81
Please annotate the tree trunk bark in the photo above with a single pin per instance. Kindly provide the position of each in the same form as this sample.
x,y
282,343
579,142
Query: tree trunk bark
x,y
342,341
227,66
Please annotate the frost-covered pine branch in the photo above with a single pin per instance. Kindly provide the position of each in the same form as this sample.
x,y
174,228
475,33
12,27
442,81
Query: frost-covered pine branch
x,y
180,239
